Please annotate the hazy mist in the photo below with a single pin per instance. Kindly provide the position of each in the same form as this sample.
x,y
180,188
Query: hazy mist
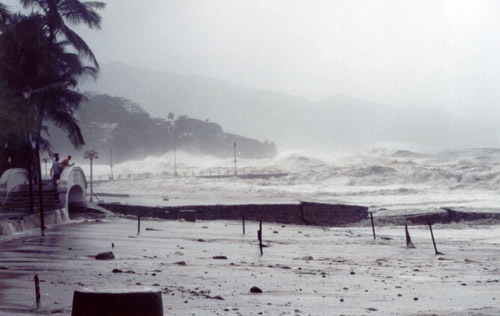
x,y
399,53
433,53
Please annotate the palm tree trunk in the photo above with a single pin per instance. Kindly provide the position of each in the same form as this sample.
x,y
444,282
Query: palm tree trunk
x,y
38,164
30,160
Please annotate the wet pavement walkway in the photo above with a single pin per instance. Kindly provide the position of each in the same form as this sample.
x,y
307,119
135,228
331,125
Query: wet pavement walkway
x,y
208,268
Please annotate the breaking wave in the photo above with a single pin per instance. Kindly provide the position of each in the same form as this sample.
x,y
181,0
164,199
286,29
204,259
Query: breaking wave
x,y
376,176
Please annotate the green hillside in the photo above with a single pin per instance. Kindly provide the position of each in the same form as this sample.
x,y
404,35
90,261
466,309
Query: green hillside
x,y
114,122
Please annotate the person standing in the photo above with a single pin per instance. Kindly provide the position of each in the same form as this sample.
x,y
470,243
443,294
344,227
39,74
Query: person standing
x,y
56,169
65,163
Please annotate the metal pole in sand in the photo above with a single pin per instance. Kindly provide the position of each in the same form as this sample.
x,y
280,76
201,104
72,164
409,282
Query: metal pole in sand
x,y
373,226
433,241
259,234
409,243
37,290
138,225
243,221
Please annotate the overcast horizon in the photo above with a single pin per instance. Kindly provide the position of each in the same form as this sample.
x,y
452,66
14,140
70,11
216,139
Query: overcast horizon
x,y
400,53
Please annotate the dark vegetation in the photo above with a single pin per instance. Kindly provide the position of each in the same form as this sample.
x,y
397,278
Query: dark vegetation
x,y
41,62
123,126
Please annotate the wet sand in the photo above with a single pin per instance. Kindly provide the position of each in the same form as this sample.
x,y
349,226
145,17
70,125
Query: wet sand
x,y
304,271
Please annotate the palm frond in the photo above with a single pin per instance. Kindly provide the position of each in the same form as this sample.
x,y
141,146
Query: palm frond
x,y
69,124
79,44
77,12
45,145
4,13
95,5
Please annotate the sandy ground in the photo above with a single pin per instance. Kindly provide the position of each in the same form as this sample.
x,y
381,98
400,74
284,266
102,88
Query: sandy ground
x,y
304,271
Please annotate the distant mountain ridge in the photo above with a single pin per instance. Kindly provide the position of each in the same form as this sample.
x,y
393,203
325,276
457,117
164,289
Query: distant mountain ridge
x,y
291,122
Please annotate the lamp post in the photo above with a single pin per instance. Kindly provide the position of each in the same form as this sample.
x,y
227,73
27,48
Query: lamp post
x,y
91,154
175,164
235,169
111,161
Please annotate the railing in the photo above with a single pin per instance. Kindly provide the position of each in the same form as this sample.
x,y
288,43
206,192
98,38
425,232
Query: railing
x,y
245,173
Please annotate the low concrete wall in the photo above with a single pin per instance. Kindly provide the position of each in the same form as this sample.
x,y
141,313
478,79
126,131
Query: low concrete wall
x,y
31,222
303,213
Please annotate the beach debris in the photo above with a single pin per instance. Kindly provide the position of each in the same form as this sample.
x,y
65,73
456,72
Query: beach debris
x,y
108,255
306,258
121,271
219,257
255,289
180,263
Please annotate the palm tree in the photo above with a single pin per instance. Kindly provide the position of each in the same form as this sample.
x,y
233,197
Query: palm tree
x,y
34,59
57,12
4,13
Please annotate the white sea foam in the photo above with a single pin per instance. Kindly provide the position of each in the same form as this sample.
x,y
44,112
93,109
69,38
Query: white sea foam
x,y
377,177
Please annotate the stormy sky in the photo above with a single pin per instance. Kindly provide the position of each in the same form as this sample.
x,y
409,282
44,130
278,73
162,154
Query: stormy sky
x,y
396,52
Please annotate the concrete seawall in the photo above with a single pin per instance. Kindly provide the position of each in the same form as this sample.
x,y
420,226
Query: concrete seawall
x,y
304,213
29,222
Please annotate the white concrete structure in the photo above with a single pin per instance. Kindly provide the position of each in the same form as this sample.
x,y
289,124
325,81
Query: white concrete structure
x,y
72,186
13,180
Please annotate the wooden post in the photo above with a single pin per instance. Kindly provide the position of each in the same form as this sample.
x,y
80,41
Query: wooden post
x,y
243,221
409,243
37,290
433,241
138,225
373,226
260,237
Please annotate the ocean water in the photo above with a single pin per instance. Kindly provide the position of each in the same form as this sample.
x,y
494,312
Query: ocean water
x,y
382,178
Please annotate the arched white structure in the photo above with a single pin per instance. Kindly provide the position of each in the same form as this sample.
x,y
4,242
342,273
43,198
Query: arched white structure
x,y
72,186
13,180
